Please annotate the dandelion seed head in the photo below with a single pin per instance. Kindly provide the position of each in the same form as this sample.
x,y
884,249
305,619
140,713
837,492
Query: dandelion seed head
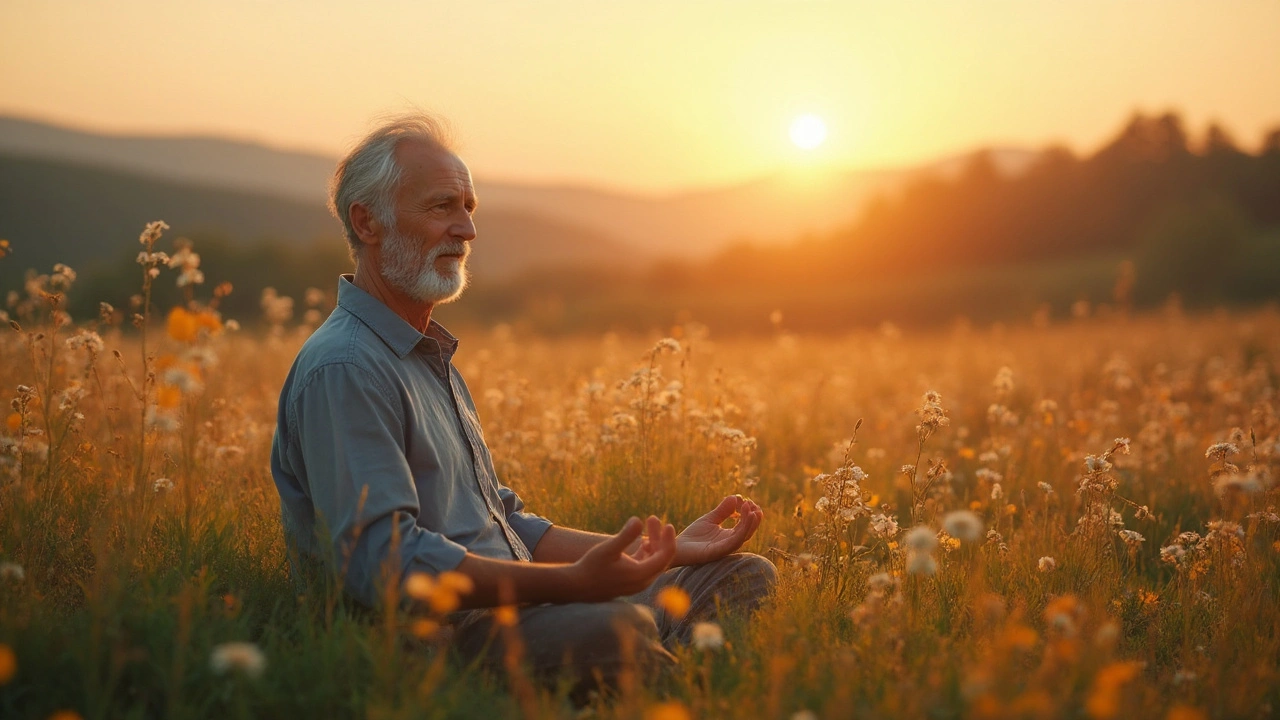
x,y
242,657
707,636
963,525
921,538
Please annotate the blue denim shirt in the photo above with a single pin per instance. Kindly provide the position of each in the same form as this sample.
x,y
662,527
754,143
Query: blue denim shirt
x,y
376,436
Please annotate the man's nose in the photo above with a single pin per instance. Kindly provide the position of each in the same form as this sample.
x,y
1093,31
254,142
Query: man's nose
x,y
465,230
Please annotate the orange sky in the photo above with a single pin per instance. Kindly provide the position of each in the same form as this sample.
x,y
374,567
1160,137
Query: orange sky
x,y
647,94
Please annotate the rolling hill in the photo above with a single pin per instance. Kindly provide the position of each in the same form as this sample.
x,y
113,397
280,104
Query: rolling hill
x,y
85,216
696,224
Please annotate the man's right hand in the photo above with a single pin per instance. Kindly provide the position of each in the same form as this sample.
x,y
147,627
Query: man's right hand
x,y
607,571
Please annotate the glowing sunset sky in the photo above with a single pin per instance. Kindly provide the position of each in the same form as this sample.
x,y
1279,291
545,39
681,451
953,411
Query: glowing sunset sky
x,y
647,94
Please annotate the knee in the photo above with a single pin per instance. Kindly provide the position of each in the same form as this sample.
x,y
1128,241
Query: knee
x,y
755,571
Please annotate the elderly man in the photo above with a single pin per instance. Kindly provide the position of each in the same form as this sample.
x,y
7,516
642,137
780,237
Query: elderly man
x,y
382,467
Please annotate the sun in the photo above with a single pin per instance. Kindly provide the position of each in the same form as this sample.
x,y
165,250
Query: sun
x,y
808,131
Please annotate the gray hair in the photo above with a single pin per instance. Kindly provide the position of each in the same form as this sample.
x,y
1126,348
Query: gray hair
x,y
370,175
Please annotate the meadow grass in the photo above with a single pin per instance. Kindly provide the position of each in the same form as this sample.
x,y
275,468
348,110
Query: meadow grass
x,y
1060,472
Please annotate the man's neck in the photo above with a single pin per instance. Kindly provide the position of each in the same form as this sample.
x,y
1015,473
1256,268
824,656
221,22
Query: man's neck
x,y
417,314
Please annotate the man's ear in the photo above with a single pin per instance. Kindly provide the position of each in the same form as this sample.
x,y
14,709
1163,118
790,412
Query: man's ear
x,y
366,225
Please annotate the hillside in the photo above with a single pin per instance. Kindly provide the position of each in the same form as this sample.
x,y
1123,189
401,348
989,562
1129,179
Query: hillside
x,y
86,216
693,224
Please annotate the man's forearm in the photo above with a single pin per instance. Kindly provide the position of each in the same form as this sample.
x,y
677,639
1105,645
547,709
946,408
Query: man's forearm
x,y
566,545
502,582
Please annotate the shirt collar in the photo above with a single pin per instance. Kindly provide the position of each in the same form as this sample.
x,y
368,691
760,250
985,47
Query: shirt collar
x,y
399,335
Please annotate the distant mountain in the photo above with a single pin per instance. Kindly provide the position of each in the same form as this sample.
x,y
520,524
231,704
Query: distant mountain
x,y
80,215
206,161
771,210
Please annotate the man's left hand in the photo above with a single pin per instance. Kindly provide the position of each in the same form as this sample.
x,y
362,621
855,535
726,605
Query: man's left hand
x,y
706,539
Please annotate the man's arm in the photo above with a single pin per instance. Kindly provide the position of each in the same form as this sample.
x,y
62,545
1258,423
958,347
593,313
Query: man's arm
x,y
703,541
605,570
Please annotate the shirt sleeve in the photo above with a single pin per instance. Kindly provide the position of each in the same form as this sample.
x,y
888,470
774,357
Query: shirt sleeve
x,y
528,527
350,432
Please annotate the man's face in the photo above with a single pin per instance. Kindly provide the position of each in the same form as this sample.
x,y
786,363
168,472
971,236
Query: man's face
x,y
425,254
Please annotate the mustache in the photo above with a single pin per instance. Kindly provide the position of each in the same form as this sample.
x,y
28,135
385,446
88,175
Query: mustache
x,y
457,247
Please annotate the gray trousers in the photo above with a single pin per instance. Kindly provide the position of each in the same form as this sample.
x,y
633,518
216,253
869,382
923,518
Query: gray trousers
x,y
596,643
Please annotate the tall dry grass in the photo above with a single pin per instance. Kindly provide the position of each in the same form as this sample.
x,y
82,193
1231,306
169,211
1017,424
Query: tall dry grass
x,y
1098,502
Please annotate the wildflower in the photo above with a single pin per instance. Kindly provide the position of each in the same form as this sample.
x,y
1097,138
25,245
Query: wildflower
x,y
997,492
1220,451
670,710
921,538
506,615
424,628
186,379
87,339
674,601
241,657
1236,482
151,233
162,485
419,586
1004,381
921,563
8,664
1047,564
62,277
884,526
162,420
881,581
1104,699
1121,445
1062,613
707,636
932,416
962,525
276,308
1131,538
12,571
181,325
1046,487
670,345
1095,464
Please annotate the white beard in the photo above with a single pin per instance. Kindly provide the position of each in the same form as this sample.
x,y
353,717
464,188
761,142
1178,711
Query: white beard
x,y
415,275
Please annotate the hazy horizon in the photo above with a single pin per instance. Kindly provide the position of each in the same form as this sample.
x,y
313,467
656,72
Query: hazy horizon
x,y
653,97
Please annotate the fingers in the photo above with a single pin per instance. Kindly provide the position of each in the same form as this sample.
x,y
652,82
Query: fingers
x,y
618,544
662,544
726,508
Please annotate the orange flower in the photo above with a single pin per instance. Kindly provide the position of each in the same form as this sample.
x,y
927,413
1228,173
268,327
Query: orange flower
x,y
505,616
13,422
675,601
8,664
168,396
208,320
182,325
673,710
423,629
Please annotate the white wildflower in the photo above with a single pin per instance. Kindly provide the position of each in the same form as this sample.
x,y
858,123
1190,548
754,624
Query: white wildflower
x,y
707,636
921,538
962,525
238,657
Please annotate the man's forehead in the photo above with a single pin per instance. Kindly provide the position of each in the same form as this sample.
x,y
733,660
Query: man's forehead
x,y
424,162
